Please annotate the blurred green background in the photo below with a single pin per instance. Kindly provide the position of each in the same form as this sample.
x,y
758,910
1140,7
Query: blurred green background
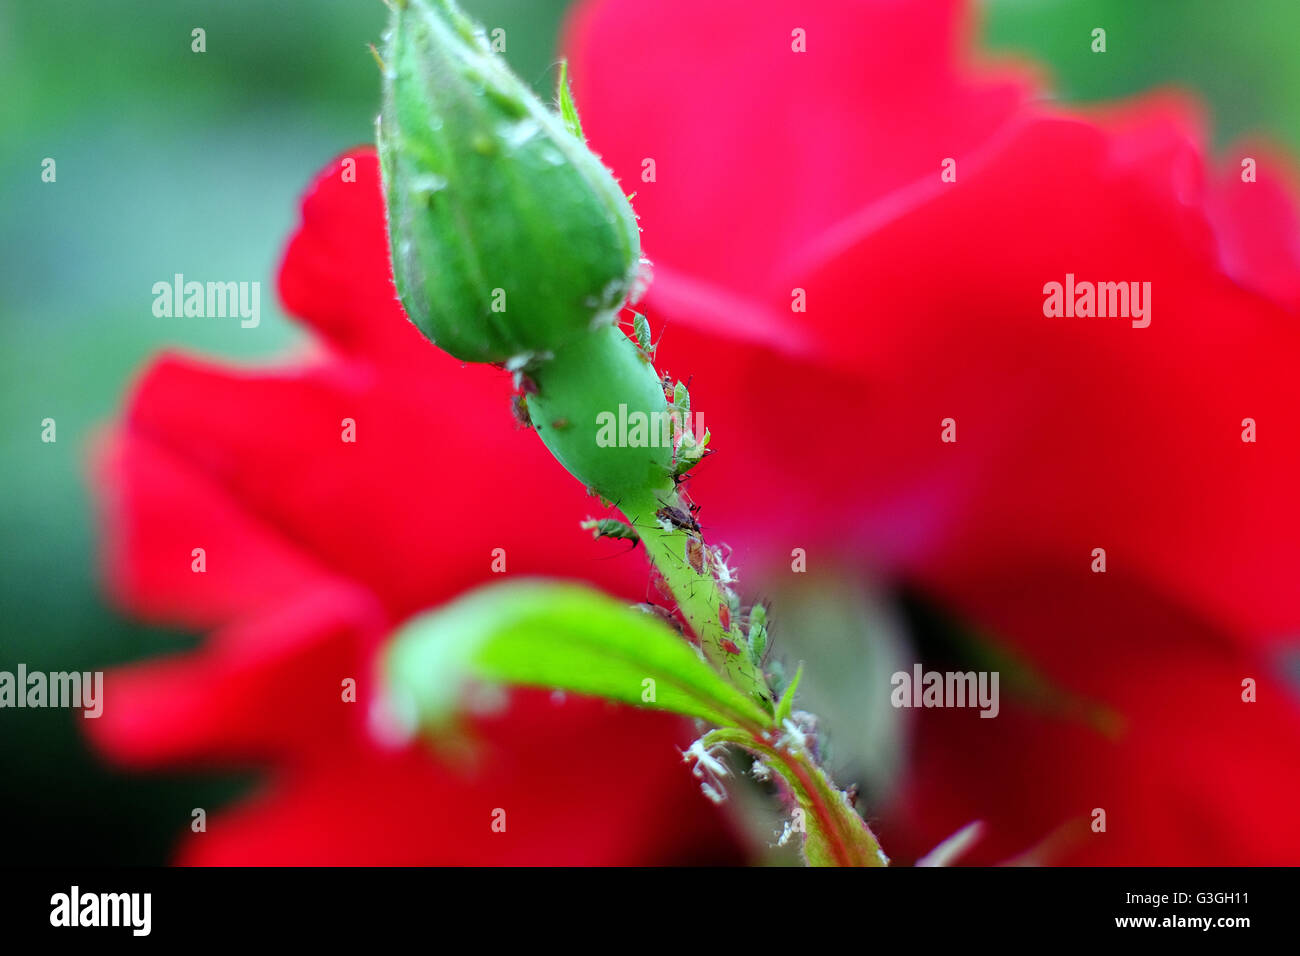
x,y
170,161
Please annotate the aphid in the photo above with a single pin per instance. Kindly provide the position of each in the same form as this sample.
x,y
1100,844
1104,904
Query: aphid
x,y
677,518
519,408
733,601
660,584
611,528
681,398
665,615
757,633
730,646
724,618
687,456
695,554
560,424
666,382
641,329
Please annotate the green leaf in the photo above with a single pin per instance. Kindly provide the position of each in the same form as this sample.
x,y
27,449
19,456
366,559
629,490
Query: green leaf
x,y
568,109
562,636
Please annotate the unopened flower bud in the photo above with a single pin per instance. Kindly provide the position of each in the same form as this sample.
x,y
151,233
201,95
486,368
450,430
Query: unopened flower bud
x,y
508,235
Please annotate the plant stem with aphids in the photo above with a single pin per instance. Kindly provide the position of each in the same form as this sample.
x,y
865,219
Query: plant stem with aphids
x,y
512,244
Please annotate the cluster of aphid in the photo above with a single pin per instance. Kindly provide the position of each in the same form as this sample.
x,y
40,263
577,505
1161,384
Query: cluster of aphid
x,y
749,629
681,515
688,450
743,632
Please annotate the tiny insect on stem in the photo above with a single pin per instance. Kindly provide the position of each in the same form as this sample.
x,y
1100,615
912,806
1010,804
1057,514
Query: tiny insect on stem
x,y
519,408
611,528
678,519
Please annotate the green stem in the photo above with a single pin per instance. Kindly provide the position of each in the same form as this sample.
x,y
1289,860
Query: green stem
x,y
698,595
571,407
843,837
839,836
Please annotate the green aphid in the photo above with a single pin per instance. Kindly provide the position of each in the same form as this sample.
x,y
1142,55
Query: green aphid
x,y
757,633
776,676
611,528
733,602
691,452
682,400
641,328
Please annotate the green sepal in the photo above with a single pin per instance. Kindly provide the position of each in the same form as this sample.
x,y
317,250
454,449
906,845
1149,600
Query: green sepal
x,y
564,99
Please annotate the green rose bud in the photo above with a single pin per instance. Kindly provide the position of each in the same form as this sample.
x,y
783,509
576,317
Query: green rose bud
x,y
601,411
508,236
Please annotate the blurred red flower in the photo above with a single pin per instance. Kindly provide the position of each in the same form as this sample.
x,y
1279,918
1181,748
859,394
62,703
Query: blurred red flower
x,y
315,548
775,171
763,174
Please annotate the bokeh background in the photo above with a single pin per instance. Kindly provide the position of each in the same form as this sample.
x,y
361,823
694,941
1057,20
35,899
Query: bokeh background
x,y
170,161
